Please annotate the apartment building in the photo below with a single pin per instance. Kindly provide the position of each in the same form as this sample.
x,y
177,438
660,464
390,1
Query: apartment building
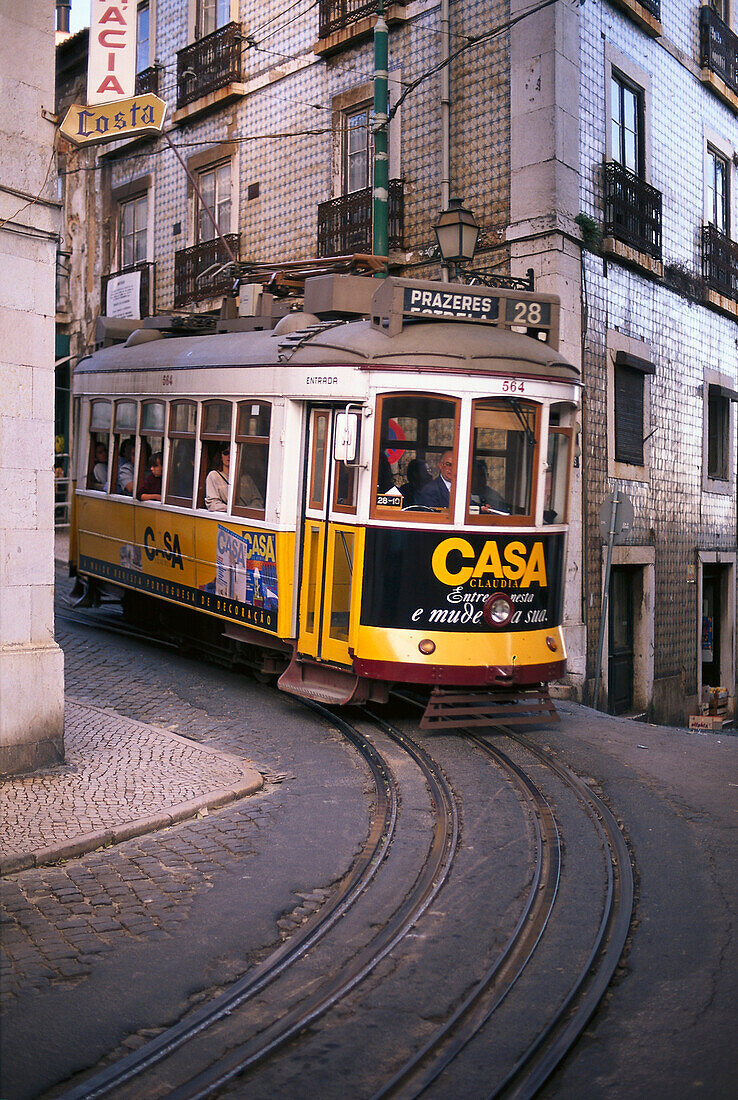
x,y
596,145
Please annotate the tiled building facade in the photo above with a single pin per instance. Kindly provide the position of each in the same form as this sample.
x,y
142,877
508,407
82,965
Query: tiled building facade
x,y
272,113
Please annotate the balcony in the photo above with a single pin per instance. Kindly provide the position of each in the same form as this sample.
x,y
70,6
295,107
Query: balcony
x,y
148,81
719,57
345,223
209,65
341,21
645,13
632,215
719,265
192,278
145,297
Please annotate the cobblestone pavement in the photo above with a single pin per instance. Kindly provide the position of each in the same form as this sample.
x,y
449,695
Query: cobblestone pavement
x,y
120,778
167,907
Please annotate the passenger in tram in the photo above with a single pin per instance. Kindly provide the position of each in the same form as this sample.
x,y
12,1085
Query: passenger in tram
x,y
418,476
100,469
151,484
437,493
124,481
216,483
483,497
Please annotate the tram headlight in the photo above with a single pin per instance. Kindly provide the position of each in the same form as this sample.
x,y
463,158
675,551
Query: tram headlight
x,y
498,610
427,646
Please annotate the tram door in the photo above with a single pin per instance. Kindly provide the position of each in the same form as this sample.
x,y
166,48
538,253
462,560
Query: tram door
x,y
328,547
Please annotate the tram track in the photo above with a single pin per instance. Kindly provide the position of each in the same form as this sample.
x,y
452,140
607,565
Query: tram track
x,y
140,1074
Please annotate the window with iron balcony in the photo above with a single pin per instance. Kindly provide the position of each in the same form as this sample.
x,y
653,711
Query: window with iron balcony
x,y
719,56
209,65
345,223
341,21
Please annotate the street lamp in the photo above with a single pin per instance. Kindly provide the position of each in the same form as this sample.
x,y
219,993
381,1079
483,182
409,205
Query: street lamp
x,y
457,233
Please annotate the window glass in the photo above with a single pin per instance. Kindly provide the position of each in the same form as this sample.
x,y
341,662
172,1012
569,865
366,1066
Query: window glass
x,y
181,465
212,14
317,473
215,185
357,150
625,122
252,459
718,428
99,442
503,460
629,415
215,456
717,190
152,417
142,36
125,416
416,435
100,416
134,224
151,440
216,418
555,504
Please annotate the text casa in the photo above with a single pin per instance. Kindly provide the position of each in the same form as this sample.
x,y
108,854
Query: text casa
x,y
455,561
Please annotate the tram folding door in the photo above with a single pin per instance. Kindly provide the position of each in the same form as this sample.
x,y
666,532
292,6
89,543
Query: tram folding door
x,y
330,548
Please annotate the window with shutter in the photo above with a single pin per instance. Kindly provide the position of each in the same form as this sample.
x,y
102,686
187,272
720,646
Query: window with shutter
x,y
629,416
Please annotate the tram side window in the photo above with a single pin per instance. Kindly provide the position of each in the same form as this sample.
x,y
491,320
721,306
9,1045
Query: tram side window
x,y
97,462
181,465
416,458
215,456
151,438
252,465
558,464
503,461
124,448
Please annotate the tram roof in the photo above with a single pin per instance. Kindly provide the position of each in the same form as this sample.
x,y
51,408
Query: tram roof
x,y
432,344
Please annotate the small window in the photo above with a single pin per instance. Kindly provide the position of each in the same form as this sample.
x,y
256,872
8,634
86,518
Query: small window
x,y
503,461
318,458
215,456
252,463
718,435
211,15
357,149
134,216
345,482
718,203
415,457
181,465
215,185
142,36
626,106
124,448
558,465
629,406
151,439
97,463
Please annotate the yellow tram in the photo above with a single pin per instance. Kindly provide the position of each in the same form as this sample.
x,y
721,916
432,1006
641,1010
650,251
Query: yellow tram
x,y
360,496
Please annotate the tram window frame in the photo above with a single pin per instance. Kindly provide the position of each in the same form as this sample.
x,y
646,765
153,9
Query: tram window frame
x,y
175,435
551,483
316,494
500,518
122,433
146,436
95,438
211,442
422,448
250,443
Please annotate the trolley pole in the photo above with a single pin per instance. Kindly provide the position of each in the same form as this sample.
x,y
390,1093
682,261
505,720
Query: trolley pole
x,y
380,195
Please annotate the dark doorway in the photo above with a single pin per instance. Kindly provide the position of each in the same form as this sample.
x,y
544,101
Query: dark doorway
x,y
711,626
620,664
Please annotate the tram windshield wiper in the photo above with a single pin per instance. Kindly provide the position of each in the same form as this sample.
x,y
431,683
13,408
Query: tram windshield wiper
x,y
530,438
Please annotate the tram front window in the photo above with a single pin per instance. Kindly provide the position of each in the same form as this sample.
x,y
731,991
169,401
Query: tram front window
x,y
417,435
503,461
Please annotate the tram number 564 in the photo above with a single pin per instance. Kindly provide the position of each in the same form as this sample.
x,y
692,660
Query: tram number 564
x,y
513,385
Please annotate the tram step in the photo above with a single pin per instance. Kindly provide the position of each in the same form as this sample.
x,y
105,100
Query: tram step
x,y
453,709
323,683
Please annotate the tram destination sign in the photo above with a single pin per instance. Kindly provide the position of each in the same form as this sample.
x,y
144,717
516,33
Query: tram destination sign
x,y
398,300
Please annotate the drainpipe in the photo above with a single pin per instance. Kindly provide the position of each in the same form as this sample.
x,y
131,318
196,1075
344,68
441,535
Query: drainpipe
x,y
62,15
380,195
445,121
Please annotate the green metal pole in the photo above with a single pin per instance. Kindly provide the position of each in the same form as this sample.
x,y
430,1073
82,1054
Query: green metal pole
x,y
380,196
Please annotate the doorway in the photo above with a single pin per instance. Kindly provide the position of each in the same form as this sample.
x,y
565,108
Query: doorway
x,y
621,639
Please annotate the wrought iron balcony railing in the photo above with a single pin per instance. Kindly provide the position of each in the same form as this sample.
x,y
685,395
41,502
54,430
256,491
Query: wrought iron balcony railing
x,y
209,64
720,262
147,289
335,15
345,223
632,210
718,48
148,81
196,274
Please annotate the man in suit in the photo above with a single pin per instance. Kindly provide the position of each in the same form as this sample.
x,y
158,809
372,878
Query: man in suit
x,y
437,493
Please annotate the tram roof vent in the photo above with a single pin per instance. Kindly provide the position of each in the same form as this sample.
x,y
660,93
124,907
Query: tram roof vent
x,y
333,297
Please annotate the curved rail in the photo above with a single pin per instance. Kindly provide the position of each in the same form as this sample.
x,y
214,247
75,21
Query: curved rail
x,y
427,885
375,849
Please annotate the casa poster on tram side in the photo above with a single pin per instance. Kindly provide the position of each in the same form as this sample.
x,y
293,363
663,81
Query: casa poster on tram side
x,y
426,580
